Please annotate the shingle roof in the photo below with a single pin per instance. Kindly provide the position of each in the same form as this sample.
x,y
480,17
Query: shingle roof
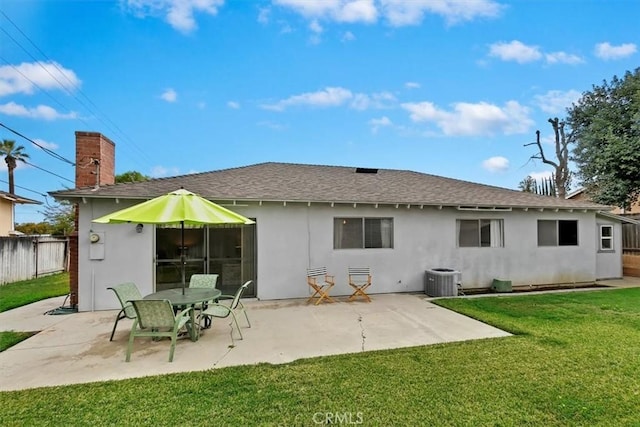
x,y
18,199
315,183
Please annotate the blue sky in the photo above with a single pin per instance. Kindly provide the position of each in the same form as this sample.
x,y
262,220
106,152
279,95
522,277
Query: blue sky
x,y
447,87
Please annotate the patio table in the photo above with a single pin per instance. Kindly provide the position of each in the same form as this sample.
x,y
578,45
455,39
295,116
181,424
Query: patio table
x,y
191,297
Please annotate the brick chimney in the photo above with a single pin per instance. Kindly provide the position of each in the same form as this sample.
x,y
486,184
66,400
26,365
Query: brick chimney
x,y
95,166
95,160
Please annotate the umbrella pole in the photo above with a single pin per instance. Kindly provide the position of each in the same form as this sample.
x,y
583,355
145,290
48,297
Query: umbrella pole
x,y
182,256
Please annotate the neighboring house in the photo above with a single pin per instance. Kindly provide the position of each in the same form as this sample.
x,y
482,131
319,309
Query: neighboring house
x,y
7,210
581,194
400,223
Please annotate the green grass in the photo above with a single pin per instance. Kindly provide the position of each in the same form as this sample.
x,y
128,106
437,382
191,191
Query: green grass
x,y
17,294
574,361
8,339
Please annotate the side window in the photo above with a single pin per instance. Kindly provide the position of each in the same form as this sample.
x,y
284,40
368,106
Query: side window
x,y
480,233
606,237
362,233
557,233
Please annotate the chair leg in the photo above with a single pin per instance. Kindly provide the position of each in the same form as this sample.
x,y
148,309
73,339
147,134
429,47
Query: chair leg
x,y
131,337
173,345
120,316
235,320
245,314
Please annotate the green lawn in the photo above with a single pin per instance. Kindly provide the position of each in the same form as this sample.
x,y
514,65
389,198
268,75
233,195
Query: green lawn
x,y
17,294
573,361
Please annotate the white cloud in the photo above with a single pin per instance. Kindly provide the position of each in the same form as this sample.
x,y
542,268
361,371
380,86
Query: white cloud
x,y
473,119
563,58
541,175
161,171
335,97
402,12
178,13
607,51
264,14
412,85
272,125
348,36
378,123
556,101
233,104
329,97
27,77
40,112
515,51
45,144
169,95
315,27
334,10
496,164
363,101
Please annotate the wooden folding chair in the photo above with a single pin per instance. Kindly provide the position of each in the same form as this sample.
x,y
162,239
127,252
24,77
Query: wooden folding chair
x,y
321,283
359,280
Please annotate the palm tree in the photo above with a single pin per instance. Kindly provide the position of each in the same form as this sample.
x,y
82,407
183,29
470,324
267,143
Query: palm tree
x,y
12,155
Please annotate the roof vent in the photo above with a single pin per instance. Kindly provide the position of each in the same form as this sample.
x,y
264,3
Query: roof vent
x,y
366,170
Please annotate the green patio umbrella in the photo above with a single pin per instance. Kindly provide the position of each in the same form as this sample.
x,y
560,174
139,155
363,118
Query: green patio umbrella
x,y
180,207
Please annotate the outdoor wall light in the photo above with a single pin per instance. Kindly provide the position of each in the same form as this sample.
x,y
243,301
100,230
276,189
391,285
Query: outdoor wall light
x,y
139,228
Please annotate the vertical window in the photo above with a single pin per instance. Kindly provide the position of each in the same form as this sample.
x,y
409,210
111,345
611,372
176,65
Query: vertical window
x,y
557,233
484,233
360,233
606,237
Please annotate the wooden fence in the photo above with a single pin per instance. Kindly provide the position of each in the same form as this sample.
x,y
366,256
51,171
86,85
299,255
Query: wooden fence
x,y
631,250
27,257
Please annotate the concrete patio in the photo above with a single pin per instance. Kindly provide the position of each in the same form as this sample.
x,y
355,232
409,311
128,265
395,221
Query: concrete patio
x,y
75,348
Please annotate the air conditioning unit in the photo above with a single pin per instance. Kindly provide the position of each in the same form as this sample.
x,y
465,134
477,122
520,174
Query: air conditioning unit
x,y
442,282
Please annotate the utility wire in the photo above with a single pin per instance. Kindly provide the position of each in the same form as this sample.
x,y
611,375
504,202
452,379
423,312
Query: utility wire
x,y
52,173
26,189
73,85
45,149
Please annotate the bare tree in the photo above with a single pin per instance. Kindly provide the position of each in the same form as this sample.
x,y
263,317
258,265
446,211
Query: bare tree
x,y
562,175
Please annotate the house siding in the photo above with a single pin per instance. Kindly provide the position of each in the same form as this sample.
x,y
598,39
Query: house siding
x,y
292,237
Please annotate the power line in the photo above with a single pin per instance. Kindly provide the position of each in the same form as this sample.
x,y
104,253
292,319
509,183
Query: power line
x,y
26,189
52,173
45,149
74,86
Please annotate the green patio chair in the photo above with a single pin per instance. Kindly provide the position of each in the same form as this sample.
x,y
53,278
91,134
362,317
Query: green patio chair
x,y
203,281
156,319
222,311
125,292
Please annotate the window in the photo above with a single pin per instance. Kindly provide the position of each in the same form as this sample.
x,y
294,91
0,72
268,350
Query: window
x,y
557,233
480,233
359,233
606,237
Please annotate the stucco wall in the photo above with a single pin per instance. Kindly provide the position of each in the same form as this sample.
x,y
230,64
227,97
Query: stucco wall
x,y
293,237
6,217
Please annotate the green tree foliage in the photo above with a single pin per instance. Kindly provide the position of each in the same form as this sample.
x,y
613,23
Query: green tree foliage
x,y
606,126
12,154
60,217
131,176
546,187
34,228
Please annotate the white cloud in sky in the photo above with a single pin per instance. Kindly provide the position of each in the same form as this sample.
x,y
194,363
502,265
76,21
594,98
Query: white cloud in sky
x,y
412,85
540,175
272,125
178,13
402,12
378,123
515,51
233,104
467,119
315,27
28,76
40,112
169,95
556,101
264,13
521,53
607,51
563,58
161,171
496,164
335,10
348,36
335,97
45,144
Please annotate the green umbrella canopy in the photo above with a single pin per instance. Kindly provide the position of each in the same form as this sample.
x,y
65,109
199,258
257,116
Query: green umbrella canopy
x,y
178,207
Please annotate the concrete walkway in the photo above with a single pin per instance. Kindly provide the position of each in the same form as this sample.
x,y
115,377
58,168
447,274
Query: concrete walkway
x,y
75,348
